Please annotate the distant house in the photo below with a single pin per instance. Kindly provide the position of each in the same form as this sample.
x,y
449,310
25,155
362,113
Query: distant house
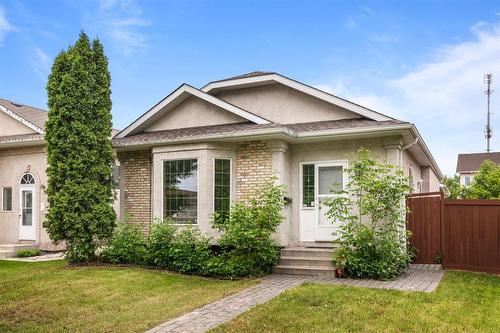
x,y
468,165
23,180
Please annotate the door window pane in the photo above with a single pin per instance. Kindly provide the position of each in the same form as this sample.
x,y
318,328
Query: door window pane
x,y
308,185
7,199
180,191
330,179
222,187
27,207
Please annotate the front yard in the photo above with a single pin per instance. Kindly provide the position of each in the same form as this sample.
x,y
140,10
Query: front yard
x,y
54,297
464,302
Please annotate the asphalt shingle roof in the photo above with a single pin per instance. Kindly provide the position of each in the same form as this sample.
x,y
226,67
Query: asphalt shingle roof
x,y
34,115
472,162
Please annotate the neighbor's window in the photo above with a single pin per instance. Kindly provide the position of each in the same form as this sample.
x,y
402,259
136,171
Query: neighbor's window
x,y
222,187
307,185
7,199
467,180
180,191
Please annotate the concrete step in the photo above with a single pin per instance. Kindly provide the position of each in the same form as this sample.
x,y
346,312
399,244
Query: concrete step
x,y
305,270
306,252
6,254
10,250
306,261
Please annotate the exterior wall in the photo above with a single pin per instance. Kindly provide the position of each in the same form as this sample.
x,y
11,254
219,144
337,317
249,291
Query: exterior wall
x,y
270,101
11,126
194,112
135,187
408,161
17,162
462,178
253,167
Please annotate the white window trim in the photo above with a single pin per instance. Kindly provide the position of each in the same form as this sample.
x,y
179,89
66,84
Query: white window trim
x,y
301,185
197,188
11,199
230,180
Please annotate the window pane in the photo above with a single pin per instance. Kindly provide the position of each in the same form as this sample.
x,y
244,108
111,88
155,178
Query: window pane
x,y
27,206
330,179
180,191
7,199
308,185
222,187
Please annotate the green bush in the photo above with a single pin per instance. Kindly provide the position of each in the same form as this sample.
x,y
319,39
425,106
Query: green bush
x,y
372,238
247,248
24,253
127,245
181,249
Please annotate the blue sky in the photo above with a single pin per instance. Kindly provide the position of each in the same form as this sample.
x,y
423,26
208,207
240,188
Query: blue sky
x,y
422,61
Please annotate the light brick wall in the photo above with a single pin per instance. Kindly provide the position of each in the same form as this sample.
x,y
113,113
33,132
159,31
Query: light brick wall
x,y
136,186
253,167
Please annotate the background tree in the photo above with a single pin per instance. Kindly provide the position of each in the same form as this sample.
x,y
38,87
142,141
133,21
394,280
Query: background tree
x,y
453,185
80,155
486,182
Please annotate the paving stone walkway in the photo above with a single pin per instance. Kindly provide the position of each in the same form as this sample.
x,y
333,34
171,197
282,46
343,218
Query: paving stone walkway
x,y
424,278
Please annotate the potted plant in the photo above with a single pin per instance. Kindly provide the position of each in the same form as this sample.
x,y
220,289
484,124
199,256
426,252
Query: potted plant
x,y
340,267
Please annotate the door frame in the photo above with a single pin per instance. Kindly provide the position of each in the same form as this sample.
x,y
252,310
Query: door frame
x,y
317,227
33,233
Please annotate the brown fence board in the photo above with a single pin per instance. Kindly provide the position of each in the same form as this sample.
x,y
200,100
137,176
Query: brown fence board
x,y
466,232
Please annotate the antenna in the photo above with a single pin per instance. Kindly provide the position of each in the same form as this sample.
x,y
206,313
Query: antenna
x,y
488,133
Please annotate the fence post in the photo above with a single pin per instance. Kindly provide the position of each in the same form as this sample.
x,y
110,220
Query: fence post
x,y
442,228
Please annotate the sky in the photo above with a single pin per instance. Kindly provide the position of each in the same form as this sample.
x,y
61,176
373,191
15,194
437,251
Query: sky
x,y
420,61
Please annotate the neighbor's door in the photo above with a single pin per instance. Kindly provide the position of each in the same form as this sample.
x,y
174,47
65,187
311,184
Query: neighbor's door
x,y
330,176
27,227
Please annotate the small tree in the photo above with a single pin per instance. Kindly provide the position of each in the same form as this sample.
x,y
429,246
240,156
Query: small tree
x,y
486,182
371,210
453,185
79,149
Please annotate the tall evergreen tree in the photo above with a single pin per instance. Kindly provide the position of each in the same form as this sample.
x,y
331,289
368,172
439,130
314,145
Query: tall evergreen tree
x,y
80,155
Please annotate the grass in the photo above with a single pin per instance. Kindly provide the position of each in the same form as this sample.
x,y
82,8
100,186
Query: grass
x,y
464,302
54,297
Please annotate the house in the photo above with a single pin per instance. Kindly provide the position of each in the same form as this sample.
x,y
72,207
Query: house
x,y
468,165
198,150
23,161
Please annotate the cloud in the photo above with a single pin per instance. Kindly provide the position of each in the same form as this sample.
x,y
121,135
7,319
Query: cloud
x,y
122,21
444,96
5,26
41,63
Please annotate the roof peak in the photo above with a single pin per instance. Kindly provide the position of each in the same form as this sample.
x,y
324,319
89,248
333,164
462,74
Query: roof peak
x,y
245,75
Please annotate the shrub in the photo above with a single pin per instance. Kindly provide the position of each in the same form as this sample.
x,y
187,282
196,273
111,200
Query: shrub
x,y
181,249
371,210
127,245
246,234
24,253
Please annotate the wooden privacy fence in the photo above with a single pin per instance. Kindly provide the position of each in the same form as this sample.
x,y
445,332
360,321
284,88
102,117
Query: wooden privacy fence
x,y
461,234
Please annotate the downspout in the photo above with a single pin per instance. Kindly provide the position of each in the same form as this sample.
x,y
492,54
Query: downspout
x,y
404,148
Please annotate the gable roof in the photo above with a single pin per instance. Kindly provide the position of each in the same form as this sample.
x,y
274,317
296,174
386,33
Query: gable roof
x,y
472,162
264,78
177,97
30,116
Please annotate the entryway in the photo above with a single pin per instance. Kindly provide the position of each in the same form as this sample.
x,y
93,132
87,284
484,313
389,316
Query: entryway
x,y
27,211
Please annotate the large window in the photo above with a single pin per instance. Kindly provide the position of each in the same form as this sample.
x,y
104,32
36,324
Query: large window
x,y
7,199
180,191
222,187
308,185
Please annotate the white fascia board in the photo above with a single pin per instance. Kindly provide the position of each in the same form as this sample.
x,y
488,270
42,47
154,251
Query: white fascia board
x,y
268,78
185,88
21,119
427,152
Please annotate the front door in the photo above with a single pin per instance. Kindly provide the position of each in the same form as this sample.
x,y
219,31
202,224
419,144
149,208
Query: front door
x,y
27,227
330,176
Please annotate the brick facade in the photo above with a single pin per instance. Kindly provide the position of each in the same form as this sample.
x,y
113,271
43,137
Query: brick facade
x,y
136,182
253,167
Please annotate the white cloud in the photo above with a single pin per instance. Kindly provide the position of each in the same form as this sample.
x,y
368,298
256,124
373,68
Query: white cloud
x,y
443,97
5,26
122,21
41,63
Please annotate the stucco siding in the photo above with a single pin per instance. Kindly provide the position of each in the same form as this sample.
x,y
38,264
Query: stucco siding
x,y
11,126
284,105
194,112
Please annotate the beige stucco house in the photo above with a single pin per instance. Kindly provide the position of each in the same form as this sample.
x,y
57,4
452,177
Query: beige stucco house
x,y
468,165
23,162
198,150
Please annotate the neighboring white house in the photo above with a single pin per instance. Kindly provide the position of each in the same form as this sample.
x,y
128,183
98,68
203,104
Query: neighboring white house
x,y
198,150
468,165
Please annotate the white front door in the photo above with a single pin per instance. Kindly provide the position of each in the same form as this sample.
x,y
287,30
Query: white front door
x,y
328,176
27,220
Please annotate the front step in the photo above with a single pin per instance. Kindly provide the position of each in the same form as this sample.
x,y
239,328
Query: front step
x,y
10,250
306,261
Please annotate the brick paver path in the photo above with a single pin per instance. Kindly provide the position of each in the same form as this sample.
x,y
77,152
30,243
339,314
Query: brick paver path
x,y
417,278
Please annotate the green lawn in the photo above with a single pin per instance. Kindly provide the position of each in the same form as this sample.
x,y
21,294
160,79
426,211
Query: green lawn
x,y
464,302
53,297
